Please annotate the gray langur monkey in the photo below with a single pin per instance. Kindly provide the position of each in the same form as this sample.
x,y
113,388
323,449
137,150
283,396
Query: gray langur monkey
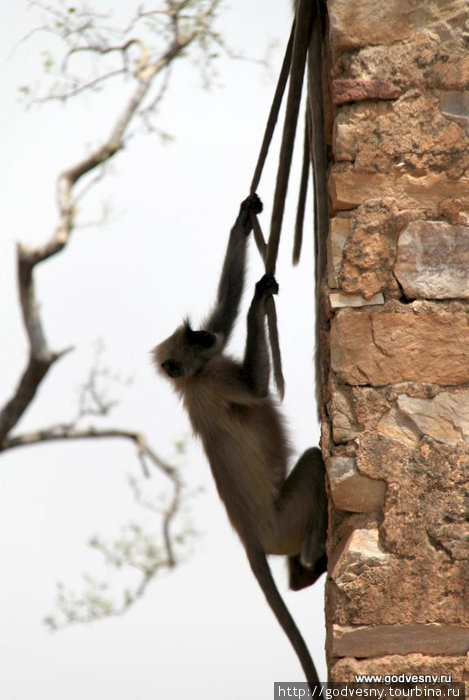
x,y
244,437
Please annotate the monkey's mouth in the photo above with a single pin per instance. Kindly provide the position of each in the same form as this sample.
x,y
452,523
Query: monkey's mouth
x,y
173,369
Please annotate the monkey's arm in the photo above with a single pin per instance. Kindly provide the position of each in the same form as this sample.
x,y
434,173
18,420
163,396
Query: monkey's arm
x,y
256,363
230,287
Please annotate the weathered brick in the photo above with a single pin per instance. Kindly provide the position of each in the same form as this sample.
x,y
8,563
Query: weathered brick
x,y
384,348
349,188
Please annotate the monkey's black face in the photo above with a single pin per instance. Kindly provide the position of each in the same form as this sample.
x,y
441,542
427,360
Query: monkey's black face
x,y
172,368
185,353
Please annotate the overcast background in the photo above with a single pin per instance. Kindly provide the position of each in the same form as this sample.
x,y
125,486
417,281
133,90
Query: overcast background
x,y
204,629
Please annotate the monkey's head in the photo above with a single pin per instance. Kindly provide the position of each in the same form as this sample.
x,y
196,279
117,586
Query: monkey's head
x,y
186,352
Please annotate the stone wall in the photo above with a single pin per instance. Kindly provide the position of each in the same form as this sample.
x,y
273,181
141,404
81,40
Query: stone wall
x,y
397,421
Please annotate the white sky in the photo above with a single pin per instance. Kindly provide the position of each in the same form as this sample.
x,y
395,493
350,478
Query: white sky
x,y
205,628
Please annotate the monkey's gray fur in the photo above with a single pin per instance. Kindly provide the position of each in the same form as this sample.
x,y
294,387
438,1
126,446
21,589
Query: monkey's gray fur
x,y
244,437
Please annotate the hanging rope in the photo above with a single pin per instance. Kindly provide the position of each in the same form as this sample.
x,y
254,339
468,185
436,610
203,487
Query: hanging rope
x,y
301,207
274,111
293,67
268,134
297,70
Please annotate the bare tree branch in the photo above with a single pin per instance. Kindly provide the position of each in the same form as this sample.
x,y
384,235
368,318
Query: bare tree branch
x,y
66,432
96,48
32,376
84,27
74,91
41,358
135,549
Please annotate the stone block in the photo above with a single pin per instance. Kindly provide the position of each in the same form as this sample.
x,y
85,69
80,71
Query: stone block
x,y
444,418
338,300
361,550
433,260
384,348
348,188
338,234
369,22
418,137
399,427
351,490
410,638
344,425
348,90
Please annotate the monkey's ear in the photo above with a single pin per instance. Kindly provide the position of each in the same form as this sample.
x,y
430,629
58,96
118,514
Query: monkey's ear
x,y
201,339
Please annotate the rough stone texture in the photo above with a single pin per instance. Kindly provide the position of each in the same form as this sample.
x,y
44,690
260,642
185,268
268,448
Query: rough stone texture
x,y
427,498
349,90
338,234
369,250
408,135
444,418
397,425
453,211
375,348
352,491
353,410
399,639
340,301
425,588
345,670
421,192
344,424
455,105
427,60
369,22
360,550
424,531
433,260
397,381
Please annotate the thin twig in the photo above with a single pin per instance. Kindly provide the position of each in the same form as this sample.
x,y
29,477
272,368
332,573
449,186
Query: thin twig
x,y
90,85
66,432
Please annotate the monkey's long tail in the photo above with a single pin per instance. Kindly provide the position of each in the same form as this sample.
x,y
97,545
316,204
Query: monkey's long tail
x,y
263,574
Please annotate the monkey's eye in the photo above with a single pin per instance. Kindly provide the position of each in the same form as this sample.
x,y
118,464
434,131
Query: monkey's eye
x,y
172,368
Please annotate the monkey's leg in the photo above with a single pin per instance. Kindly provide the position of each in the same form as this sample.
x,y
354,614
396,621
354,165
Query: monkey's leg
x,y
302,519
